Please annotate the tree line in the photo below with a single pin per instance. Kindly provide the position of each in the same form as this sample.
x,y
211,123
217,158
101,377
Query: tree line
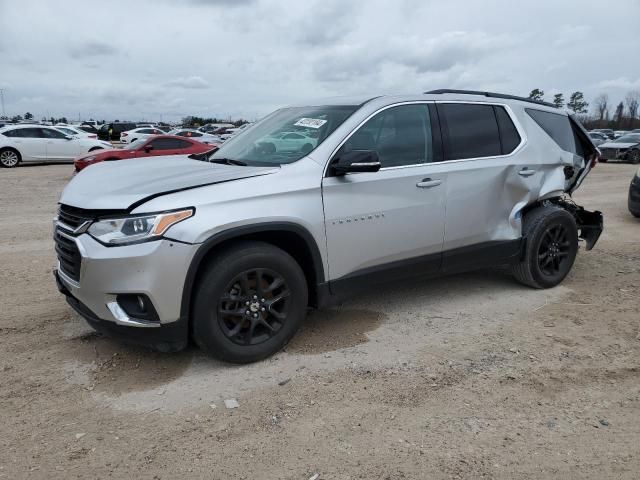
x,y
622,116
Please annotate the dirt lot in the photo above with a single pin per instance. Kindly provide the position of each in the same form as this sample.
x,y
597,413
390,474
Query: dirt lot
x,y
471,376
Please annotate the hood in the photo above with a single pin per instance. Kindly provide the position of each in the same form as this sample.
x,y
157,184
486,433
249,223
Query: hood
x,y
126,185
617,144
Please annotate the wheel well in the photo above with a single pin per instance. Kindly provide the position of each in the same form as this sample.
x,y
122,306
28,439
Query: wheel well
x,y
291,241
13,150
93,149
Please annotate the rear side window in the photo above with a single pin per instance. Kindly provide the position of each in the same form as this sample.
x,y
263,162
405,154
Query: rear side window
x,y
556,126
169,144
509,136
472,130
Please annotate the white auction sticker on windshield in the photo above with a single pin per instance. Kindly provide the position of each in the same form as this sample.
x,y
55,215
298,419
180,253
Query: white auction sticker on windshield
x,y
310,122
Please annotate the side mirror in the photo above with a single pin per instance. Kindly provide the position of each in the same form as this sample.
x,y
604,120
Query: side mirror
x,y
357,161
148,148
67,137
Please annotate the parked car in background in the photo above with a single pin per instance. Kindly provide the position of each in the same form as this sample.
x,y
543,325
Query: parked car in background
x,y
619,133
75,131
92,123
131,136
39,143
607,131
625,148
635,130
634,195
88,128
598,138
197,135
215,127
232,253
116,129
147,147
228,133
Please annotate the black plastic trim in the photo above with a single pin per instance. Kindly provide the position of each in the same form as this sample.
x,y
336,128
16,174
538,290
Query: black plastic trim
x,y
473,257
236,232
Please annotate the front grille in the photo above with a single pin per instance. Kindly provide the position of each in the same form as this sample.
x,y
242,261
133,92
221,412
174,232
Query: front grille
x,y
68,255
609,153
74,217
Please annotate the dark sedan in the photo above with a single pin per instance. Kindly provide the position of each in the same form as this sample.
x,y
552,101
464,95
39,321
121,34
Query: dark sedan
x,y
634,195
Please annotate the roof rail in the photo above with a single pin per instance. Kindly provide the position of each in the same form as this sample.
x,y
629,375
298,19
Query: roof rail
x,y
489,94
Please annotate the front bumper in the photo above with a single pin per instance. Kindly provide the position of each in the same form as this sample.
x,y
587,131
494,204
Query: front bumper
x,y
155,269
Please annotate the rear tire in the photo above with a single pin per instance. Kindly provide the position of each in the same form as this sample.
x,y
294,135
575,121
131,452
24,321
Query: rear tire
x,y
634,157
9,157
551,237
249,302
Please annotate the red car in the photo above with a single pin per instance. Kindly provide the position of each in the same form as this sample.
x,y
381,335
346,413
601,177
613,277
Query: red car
x,y
149,147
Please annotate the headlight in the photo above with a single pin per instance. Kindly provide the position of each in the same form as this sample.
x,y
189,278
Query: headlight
x,y
139,228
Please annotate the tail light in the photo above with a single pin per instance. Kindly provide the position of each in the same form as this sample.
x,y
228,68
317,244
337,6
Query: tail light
x,y
93,136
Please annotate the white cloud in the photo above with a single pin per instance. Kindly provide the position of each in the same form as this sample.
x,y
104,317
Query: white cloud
x,y
189,82
244,58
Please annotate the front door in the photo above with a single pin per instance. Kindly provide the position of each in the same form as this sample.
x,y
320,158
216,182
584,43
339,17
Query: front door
x,y
60,146
391,222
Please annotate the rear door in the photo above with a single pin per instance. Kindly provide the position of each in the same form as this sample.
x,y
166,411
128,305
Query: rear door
x,y
388,223
30,142
487,183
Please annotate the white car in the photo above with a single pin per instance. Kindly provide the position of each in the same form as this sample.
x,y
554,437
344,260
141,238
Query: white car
x,y
39,143
197,135
131,136
288,142
75,132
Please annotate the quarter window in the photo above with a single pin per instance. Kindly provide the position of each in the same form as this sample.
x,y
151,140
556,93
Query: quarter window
x,y
509,137
472,131
400,135
556,126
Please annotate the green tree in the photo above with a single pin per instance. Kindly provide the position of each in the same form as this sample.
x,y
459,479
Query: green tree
x,y
536,94
16,118
28,116
577,103
558,100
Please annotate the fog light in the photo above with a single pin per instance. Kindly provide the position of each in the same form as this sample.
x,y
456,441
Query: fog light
x,y
137,305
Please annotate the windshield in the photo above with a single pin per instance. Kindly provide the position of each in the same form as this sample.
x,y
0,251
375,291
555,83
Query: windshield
x,y
285,136
635,138
136,145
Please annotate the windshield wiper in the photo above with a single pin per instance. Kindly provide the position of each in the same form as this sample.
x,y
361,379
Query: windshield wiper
x,y
229,161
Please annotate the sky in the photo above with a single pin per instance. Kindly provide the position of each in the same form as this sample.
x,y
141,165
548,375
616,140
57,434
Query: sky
x,y
165,59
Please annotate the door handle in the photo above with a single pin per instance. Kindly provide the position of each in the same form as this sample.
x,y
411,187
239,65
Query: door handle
x,y
526,172
428,183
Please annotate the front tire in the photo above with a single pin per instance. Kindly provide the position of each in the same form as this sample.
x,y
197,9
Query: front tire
x,y
634,157
551,247
9,158
249,302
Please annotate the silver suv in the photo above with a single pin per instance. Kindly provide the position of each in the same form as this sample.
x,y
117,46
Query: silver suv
x,y
316,202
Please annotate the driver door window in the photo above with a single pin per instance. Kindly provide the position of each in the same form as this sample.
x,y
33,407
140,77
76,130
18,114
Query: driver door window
x,y
400,135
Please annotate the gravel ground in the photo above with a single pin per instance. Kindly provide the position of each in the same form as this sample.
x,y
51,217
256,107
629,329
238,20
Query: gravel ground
x,y
470,376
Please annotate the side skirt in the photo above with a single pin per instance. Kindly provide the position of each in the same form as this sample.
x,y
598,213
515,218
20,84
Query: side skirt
x,y
484,255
